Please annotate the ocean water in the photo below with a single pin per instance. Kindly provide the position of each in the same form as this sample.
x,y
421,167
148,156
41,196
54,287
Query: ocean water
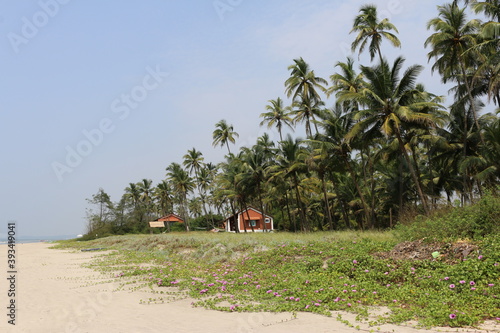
x,y
23,241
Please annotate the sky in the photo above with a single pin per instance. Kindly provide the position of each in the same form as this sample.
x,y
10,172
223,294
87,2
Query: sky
x,y
99,94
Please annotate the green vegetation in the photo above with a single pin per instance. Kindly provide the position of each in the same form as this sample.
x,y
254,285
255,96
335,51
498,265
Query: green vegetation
x,y
386,151
470,222
314,272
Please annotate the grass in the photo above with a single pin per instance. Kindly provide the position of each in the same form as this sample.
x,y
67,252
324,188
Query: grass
x,y
313,272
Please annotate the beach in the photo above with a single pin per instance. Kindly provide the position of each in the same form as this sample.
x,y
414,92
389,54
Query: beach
x,y
54,293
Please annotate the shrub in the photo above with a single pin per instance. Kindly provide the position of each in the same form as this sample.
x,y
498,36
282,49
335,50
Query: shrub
x,y
470,222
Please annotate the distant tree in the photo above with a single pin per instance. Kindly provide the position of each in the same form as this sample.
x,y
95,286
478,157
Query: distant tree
x,y
371,30
223,134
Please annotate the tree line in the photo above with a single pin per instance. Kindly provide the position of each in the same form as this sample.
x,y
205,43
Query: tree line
x,y
386,151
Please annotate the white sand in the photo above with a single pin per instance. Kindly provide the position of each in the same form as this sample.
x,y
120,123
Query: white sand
x,y
56,294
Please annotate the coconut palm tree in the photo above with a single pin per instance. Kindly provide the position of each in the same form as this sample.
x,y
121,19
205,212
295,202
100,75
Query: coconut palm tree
x,y
146,195
303,83
183,184
305,111
163,195
490,8
346,81
277,114
223,134
453,36
391,103
371,30
193,160
133,194
290,165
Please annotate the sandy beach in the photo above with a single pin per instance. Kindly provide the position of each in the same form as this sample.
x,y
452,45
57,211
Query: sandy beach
x,y
54,293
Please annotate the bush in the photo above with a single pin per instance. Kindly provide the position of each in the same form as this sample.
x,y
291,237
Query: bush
x,y
471,222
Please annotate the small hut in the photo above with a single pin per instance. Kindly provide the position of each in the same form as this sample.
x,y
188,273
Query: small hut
x,y
160,222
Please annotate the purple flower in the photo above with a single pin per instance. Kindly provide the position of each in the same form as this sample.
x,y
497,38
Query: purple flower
x,y
452,286
491,284
472,283
453,316
307,306
472,288
462,281
354,261
447,278
480,257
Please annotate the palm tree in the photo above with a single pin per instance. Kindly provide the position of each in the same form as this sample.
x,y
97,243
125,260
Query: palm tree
x,y
224,134
254,172
277,114
370,30
490,8
452,38
290,165
320,161
183,185
146,194
193,160
486,163
133,194
335,128
303,82
305,111
164,196
391,104
346,81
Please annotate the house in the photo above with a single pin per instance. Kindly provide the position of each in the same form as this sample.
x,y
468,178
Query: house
x,y
170,218
249,217
160,222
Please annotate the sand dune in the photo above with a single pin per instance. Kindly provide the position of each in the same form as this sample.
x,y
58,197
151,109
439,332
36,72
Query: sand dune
x,y
56,294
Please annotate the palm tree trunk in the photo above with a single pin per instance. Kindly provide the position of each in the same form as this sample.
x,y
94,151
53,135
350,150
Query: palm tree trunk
x,y
327,204
288,211
471,99
248,217
361,196
413,173
262,208
303,218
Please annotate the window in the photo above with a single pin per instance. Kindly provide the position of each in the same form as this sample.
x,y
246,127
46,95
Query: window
x,y
253,223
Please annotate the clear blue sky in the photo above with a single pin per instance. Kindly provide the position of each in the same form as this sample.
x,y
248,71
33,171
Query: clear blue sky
x,y
133,85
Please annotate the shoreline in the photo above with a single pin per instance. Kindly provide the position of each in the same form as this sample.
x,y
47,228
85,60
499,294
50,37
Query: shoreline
x,y
54,293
